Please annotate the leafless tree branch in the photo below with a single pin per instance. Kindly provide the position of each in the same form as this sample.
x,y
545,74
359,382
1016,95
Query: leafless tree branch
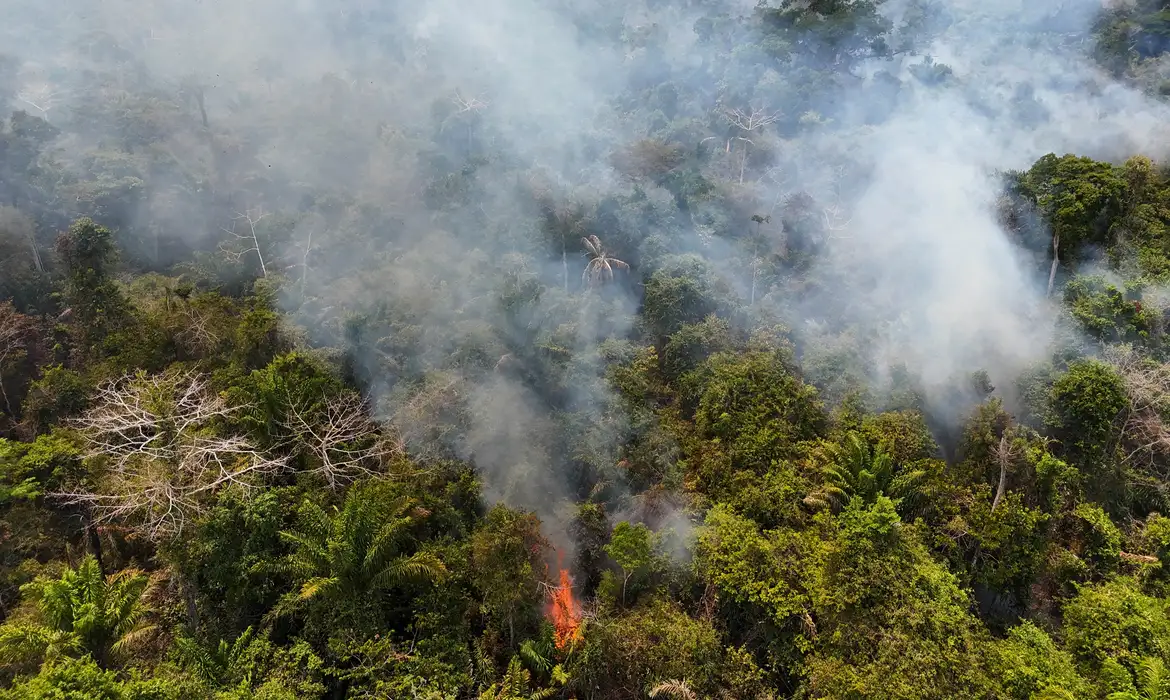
x,y
159,443
248,238
344,441
14,334
1144,431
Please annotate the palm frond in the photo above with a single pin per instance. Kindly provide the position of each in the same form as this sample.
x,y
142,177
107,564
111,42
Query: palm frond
x,y
673,689
20,643
316,586
422,566
135,637
288,604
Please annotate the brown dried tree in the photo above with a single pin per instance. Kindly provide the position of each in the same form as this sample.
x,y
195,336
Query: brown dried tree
x,y
601,265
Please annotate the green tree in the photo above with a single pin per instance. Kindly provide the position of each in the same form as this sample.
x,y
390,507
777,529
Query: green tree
x,y
1153,682
507,552
1079,196
516,685
1087,403
349,558
97,306
865,473
631,547
81,612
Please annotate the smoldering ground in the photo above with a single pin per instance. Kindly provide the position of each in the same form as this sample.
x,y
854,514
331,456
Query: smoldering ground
x,y
419,175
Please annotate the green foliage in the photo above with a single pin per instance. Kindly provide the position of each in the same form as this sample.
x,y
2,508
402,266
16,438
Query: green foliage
x,y
291,383
1107,313
515,685
924,539
626,656
1115,620
344,561
1087,402
685,292
688,347
631,547
1029,664
507,552
1078,195
766,574
78,679
865,474
98,305
58,395
904,435
82,612
755,405
27,470
878,582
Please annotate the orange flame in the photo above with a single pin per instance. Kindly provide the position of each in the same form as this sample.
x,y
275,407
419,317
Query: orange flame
x,y
565,613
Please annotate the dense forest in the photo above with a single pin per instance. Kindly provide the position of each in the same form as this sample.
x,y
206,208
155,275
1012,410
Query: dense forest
x,y
590,349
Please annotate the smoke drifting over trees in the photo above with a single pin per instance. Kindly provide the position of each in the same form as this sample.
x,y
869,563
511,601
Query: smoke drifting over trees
x,y
418,156
525,270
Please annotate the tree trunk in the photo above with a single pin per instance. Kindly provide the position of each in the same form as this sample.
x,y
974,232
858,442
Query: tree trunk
x,y
1003,464
32,242
93,542
1055,261
190,598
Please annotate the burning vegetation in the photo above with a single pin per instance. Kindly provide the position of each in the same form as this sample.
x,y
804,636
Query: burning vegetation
x,y
564,612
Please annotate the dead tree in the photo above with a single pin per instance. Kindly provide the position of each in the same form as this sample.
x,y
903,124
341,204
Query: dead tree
x,y
160,452
15,329
41,97
250,238
1145,433
341,438
1005,454
749,123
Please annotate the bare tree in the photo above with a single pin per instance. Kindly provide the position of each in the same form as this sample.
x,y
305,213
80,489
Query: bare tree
x,y
344,441
470,110
250,237
1005,454
199,333
569,219
161,451
1055,260
18,224
835,221
748,123
15,328
601,265
1145,433
305,263
40,96
759,221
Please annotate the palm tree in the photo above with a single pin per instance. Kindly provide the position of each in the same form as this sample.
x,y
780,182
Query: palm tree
x,y
601,265
1153,682
515,685
221,666
357,552
859,472
81,612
